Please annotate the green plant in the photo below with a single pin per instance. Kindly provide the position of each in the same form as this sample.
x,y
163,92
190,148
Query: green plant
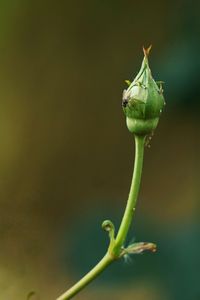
x,y
142,104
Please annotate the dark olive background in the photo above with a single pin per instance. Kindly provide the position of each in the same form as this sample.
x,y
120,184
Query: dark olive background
x,y
66,156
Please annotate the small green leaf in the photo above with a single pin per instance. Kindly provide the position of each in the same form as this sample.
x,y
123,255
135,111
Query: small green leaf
x,y
138,248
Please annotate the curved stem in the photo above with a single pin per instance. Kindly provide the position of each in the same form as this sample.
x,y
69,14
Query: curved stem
x,y
104,262
115,248
133,194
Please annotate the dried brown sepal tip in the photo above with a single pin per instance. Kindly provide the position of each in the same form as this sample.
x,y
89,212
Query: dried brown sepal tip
x,y
147,50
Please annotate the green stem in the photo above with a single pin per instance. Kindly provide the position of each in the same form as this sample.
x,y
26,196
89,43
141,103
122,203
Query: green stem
x,y
115,248
133,194
104,262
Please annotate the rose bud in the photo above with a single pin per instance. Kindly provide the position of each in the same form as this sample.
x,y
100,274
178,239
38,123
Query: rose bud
x,y
143,101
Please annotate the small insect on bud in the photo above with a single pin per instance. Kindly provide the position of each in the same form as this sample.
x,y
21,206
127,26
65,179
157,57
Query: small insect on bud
x,y
143,101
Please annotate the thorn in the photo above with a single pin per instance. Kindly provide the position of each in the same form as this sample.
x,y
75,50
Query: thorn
x,y
128,82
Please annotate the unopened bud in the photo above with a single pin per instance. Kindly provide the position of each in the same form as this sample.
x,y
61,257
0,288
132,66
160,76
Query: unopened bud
x,y
143,101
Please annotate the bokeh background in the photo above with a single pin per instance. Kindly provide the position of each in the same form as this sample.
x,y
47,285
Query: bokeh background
x,y
66,156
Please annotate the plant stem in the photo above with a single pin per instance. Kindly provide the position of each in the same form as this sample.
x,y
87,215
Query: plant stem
x,y
104,262
133,194
115,248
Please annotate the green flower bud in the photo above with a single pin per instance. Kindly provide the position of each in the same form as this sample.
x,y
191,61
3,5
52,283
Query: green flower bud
x,y
143,101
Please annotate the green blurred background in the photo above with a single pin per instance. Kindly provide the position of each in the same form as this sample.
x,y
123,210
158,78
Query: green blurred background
x,y
66,156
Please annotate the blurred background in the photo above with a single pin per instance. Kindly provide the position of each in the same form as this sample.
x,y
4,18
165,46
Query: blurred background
x,y
66,156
